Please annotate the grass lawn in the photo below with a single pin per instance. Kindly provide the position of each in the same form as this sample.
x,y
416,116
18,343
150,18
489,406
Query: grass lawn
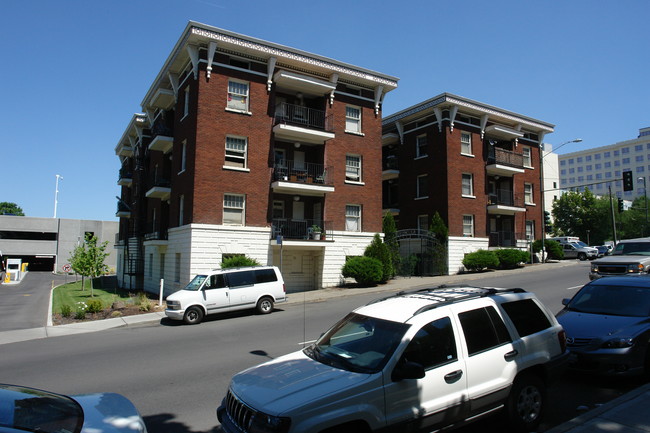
x,y
71,294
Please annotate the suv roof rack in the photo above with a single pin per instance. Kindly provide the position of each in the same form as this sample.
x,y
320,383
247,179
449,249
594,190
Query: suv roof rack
x,y
447,294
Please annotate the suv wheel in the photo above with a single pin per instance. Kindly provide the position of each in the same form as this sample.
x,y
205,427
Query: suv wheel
x,y
525,403
582,256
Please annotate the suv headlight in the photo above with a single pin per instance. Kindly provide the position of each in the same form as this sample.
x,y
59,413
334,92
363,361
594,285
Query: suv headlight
x,y
618,343
594,267
636,268
262,423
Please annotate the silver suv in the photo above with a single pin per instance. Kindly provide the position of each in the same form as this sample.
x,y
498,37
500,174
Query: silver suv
x,y
415,361
630,257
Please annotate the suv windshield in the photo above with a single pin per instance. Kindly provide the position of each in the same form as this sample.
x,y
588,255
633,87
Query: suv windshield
x,y
196,282
581,244
632,248
358,343
612,300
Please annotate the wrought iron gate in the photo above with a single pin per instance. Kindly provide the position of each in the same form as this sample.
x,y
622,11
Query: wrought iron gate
x,y
421,254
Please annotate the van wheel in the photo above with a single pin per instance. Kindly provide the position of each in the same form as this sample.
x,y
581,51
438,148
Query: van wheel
x,y
264,305
193,316
582,256
526,403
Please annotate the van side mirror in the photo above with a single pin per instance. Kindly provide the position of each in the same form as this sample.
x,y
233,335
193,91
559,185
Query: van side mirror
x,y
566,301
407,370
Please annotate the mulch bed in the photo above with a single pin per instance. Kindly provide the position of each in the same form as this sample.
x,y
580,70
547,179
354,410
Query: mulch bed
x,y
108,313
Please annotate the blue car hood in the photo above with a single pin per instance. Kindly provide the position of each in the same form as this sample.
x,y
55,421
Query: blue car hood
x,y
583,325
109,413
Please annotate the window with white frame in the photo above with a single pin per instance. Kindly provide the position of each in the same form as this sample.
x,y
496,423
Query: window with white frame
x,y
468,225
353,217
468,185
233,209
421,146
422,186
530,230
186,102
236,151
465,143
353,168
183,156
528,160
181,209
528,193
237,95
423,222
352,119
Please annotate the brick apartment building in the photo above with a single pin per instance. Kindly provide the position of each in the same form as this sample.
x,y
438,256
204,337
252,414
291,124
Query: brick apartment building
x,y
246,147
477,165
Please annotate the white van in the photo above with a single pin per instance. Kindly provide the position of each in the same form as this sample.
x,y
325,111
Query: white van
x,y
258,287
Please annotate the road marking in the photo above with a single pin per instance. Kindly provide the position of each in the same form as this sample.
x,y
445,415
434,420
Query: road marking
x,y
574,287
27,294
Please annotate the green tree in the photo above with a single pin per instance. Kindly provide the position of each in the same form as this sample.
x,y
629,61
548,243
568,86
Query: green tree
x,y
7,208
238,262
584,215
440,255
87,260
390,239
379,250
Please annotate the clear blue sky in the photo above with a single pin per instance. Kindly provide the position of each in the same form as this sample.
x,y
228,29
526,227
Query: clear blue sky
x,y
74,71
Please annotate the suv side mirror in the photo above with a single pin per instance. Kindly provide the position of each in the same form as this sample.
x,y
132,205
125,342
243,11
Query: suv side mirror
x,y
407,370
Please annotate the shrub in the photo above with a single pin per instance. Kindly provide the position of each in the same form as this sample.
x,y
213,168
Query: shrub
x,y
144,304
553,249
377,249
238,261
365,270
94,306
80,314
479,260
66,310
510,258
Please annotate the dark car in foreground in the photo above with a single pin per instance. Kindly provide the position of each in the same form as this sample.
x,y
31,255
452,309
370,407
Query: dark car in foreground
x,y
607,325
33,410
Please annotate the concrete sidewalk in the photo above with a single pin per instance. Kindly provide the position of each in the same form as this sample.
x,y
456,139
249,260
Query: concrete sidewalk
x,y
625,414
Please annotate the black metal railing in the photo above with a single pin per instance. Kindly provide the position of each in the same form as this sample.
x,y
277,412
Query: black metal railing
x,y
505,197
390,163
299,115
303,172
505,238
301,229
160,182
163,126
497,155
160,235
126,173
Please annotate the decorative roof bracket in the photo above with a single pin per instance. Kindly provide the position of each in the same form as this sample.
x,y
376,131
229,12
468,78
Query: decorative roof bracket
x,y
452,117
333,79
518,128
400,131
193,51
173,80
212,47
438,112
379,96
270,69
484,120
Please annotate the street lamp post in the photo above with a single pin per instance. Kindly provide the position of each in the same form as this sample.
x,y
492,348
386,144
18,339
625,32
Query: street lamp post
x,y
645,193
56,193
543,192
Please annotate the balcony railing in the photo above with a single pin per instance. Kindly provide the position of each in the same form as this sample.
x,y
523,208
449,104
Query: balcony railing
x,y
160,182
160,235
505,197
125,173
299,115
301,229
304,172
390,163
497,155
505,238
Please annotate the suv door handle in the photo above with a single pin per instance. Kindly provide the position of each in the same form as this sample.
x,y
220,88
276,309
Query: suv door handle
x,y
453,376
510,355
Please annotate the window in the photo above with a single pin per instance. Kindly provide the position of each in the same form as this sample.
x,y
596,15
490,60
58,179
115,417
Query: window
x,y
183,156
237,95
588,158
638,148
625,150
608,164
353,168
483,329
563,162
233,209
353,218
186,102
579,169
352,119
177,268
467,185
466,143
527,317
530,230
607,154
422,186
638,158
421,146
236,151
433,345
528,193
278,209
579,159
588,167
468,225
572,170
423,222
181,210
597,156
528,159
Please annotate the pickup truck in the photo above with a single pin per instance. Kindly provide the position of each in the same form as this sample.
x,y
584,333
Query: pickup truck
x,y
630,257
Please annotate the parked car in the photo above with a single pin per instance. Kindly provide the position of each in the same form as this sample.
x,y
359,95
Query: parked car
x,y
258,287
631,256
608,326
603,250
33,410
414,361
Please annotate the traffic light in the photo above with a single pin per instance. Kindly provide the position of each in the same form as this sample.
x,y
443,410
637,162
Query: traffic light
x,y
620,205
628,182
547,222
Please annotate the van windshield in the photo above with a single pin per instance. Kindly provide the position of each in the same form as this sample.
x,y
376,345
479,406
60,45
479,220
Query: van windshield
x,y
196,282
